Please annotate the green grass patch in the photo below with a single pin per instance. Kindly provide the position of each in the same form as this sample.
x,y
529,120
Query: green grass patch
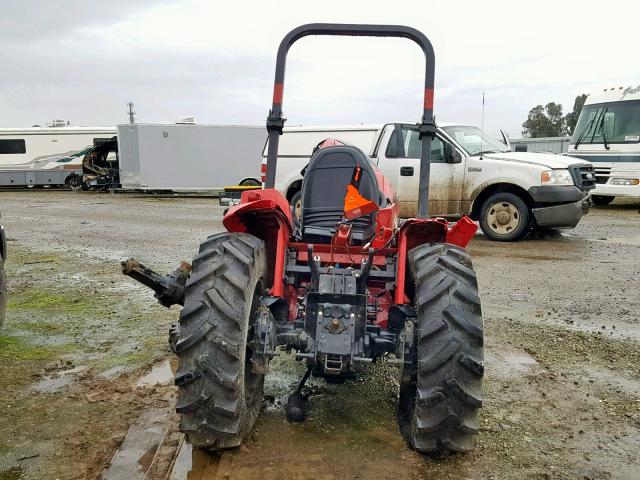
x,y
52,302
41,328
20,257
15,349
131,360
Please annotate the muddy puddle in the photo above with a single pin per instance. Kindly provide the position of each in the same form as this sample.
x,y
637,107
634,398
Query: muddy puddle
x,y
509,363
343,422
113,372
50,384
135,455
162,374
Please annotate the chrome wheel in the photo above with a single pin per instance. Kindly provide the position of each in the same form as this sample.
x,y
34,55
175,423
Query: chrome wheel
x,y
503,218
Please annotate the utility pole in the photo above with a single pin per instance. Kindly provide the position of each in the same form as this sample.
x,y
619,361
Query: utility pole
x,y
131,113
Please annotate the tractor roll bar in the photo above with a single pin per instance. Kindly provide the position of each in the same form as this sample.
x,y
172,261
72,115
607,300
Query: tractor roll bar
x,y
275,120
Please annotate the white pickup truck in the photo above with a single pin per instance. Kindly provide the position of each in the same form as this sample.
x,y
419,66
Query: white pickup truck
x,y
471,174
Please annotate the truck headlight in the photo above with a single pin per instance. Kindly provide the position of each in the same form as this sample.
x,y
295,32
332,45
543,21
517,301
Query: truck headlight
x,y
556,177
624,181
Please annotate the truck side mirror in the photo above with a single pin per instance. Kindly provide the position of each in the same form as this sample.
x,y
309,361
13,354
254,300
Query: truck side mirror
x,y
505,139
451,154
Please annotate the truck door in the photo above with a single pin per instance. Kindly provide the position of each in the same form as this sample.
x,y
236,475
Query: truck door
x,y
401,164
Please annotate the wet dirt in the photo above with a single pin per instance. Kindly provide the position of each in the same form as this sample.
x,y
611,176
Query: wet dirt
x,y
561,392
137,451
161,374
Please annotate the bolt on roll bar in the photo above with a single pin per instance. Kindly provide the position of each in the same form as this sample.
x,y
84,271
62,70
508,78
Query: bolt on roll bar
x,y
275,120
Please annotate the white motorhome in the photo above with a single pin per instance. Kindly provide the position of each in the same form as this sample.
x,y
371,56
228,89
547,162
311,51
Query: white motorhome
x,y
43,147
608,135
471,174
46,155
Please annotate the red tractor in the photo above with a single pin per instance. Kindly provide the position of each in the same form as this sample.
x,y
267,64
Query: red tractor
x,y
345,286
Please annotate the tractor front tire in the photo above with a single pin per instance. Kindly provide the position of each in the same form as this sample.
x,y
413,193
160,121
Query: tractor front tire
x,y
441,393
219,396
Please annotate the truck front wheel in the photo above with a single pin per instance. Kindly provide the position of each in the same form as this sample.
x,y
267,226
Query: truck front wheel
x,y
505,217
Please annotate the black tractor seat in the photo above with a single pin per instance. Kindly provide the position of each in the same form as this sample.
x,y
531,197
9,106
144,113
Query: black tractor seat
x,y
323,191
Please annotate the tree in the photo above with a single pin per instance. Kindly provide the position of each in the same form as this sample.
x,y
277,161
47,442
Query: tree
x,y
546,121
571,118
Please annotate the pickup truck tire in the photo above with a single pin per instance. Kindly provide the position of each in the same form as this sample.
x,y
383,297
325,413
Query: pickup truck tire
x,y
250,182
441,394
505,217
219,393
601,199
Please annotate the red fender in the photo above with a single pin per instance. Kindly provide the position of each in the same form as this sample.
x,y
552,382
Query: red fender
x,y
265,214
417,231
414,232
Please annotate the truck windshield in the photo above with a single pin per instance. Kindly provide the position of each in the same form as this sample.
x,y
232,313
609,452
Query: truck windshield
x,y
605,123
474,141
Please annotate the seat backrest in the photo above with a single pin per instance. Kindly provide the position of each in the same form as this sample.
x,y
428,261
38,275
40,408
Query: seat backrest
x,y
324,188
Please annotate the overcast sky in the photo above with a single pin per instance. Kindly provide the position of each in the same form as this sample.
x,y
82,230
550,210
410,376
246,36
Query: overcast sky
x,y
82,60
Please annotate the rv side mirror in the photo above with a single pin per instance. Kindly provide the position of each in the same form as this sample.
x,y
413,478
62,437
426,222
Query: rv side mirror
x,y
609,122
451,154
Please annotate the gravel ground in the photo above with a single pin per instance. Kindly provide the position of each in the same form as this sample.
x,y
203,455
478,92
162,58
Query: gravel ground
x,y
562,325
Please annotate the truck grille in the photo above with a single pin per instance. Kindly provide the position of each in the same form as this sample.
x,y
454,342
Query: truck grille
x,y
584,176
602,174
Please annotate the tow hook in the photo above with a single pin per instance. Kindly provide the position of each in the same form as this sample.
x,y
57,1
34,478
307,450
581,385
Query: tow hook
x,y
169,289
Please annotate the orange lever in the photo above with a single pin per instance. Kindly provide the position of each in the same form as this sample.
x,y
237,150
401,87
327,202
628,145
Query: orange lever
x,y
355,205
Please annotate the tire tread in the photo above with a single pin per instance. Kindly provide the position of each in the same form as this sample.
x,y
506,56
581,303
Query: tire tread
x,y
214,325
439,404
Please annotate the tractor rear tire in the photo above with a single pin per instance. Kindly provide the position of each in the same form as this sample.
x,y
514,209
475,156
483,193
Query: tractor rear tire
x,y
219,396
441,394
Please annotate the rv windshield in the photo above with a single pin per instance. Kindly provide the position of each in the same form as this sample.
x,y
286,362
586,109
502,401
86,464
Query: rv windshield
x,y
474,141
605,123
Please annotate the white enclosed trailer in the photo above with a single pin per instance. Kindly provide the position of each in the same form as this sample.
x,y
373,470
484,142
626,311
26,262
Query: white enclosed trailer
x,y
557,145
189,157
